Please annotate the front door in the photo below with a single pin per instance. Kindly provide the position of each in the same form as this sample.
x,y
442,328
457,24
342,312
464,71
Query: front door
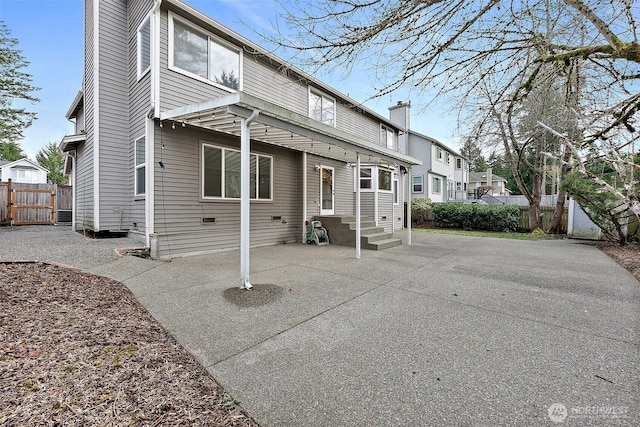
x,y
326,190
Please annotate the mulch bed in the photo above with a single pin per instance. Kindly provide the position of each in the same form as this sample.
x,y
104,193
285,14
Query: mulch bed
x,y
78,349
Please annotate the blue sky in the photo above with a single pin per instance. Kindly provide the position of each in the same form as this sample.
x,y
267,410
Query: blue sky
x,y
50,35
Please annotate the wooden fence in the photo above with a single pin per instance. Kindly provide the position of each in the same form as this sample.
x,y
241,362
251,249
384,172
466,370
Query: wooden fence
x,y
30,204
546,213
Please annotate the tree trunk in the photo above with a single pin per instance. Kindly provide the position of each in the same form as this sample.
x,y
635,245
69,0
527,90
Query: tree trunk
x,y
556,226
536,190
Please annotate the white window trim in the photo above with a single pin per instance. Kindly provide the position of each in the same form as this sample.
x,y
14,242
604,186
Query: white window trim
x,y
139,166
421,184
322,95
222,178
438,153
393,136
211,38
356,181
447,156
142,73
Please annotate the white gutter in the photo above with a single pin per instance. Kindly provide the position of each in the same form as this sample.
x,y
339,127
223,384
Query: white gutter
x,y
96,116
245,214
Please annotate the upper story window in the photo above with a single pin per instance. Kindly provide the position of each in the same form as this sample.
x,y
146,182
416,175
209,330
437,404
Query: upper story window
x,y
201,55
322,108
439,153
448,157
144,47
387,136
458,163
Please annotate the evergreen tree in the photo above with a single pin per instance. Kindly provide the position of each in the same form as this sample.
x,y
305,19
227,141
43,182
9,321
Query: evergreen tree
x,y
15,84
52,159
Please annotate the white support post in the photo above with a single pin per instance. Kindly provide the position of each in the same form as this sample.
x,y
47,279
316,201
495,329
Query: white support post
x,y
304,196
408,192
357,205
245,214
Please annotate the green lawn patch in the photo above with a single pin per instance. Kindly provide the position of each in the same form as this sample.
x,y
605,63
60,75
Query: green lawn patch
x,y
495,234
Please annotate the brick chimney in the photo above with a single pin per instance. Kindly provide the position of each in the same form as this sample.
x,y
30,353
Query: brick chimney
x,y
489,174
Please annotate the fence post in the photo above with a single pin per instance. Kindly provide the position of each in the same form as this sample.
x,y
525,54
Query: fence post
x,y
11,198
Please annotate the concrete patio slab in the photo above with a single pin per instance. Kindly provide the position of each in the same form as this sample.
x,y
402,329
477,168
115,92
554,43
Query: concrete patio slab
x,y
451,330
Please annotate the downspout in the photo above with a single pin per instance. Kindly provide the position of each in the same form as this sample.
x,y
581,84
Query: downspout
x,y
154,111
245,217
304,196
358,206
408,192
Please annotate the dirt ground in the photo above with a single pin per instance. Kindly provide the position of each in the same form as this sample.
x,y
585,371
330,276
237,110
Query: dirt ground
x,y
78,349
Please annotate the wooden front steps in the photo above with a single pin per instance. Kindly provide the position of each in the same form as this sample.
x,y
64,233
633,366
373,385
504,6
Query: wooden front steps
x,y
342,231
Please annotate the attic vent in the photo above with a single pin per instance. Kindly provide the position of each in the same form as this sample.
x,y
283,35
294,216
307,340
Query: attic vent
x,y
208,220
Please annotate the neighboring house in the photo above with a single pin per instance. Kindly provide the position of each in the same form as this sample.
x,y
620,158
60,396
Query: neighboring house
x,y
24,171
498,186
176,109
443,175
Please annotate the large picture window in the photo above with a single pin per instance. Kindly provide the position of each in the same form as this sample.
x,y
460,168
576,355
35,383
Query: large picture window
x,y
221,174
322,108
140,167
201,55
384,180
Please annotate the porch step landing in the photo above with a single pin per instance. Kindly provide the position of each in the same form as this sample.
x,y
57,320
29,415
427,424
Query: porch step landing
x,y
342,231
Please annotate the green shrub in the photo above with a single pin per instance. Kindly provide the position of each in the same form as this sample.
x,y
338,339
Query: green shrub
x,y
476,217
421,210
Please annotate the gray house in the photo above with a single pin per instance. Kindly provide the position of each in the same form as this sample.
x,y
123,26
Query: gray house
x,y
195,139
444,173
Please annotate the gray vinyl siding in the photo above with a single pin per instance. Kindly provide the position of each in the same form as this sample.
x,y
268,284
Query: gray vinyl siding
x,y
398,210
261,79
114,114
177,89
139,104
80,126
366,204
179,208
84,187
385,211
84,155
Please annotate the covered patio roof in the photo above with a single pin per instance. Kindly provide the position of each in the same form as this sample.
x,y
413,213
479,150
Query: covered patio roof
x,y
280,126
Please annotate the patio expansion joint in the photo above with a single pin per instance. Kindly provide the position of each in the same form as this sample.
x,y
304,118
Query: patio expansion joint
x,y
527,319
